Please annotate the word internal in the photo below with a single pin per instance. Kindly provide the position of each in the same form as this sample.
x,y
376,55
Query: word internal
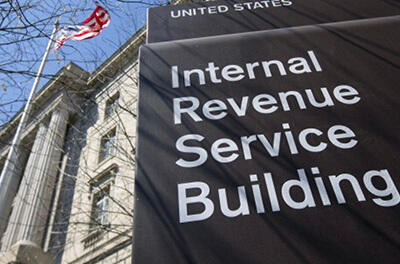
x,y
235,73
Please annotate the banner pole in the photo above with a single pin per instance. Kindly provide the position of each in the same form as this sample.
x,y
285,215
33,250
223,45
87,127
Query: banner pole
x,y
8,180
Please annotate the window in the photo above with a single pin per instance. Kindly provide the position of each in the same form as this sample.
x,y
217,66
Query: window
x,y
107,146
100,214
100,210
111,106
100,189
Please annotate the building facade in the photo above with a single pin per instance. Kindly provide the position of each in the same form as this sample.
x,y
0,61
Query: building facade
x,y
73,202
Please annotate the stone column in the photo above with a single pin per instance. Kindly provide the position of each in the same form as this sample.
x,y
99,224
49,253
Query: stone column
x,y
20,201
42,181
9,185
34,197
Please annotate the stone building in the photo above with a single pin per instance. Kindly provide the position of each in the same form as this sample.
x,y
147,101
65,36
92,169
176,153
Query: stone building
x,y
75,167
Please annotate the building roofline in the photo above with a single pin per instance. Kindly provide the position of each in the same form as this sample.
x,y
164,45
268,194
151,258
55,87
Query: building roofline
x,y
127,53
70,76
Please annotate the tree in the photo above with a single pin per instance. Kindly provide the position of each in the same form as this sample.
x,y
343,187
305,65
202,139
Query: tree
x,y
25,27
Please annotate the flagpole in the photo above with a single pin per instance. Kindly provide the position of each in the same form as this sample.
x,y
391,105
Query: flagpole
x,y
8,180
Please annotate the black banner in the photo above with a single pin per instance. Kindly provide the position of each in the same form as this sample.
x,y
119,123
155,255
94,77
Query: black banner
x,y
213,18
277,146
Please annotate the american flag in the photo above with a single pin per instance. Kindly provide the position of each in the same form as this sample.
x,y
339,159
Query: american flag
x,y
89,28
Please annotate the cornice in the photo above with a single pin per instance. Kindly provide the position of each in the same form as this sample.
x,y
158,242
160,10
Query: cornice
x,y
126,54
70,79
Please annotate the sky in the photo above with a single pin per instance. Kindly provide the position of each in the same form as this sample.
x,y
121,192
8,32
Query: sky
x,y
22,57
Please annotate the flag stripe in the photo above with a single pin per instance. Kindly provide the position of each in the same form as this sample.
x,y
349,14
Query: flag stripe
x,y
89,28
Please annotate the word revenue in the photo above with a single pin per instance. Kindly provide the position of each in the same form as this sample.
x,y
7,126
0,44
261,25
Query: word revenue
x,y
262,103
265,189
235,73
